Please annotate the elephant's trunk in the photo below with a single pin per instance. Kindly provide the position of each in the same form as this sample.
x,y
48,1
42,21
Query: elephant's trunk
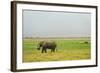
x,y
38,48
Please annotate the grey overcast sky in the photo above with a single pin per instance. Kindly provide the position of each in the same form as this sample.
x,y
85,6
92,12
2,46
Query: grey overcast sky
x,y
56,24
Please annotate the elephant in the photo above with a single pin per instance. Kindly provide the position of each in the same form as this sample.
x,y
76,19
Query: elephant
x,y
44,45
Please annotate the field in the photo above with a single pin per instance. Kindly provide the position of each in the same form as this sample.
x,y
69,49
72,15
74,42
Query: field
x,y
67,49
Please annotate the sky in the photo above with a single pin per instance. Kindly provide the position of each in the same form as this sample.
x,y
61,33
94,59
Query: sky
x,y
56,24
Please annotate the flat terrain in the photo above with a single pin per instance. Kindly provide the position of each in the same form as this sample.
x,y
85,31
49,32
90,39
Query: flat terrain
x,y
67,49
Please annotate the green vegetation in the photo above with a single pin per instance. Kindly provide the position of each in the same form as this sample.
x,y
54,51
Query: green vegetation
x,y
67,49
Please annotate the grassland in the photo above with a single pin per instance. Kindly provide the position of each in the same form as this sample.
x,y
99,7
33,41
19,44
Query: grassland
x,y
67,49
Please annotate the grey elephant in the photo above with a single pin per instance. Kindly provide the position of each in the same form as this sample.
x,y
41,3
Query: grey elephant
x,y
44,45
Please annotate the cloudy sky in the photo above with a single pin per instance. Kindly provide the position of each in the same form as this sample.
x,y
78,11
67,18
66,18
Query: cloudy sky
x,y
56,24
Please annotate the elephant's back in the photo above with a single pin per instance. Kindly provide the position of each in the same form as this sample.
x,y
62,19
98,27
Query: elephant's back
x,y
48,44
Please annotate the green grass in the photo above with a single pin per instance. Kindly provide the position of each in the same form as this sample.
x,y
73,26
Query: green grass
x,y
67,49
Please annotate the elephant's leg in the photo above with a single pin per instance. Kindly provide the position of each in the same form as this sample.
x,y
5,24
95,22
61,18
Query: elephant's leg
x,y
42,50
54,49
51,50
45,50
